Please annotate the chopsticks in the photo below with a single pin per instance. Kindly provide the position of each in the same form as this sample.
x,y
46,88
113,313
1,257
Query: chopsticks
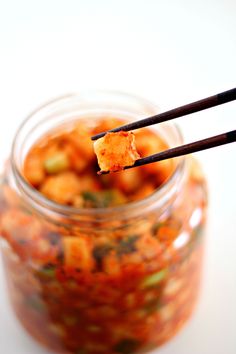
x,y
193,107
208,143
186,149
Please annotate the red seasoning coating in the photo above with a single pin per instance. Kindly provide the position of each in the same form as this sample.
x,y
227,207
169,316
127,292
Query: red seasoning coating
x,y
116,150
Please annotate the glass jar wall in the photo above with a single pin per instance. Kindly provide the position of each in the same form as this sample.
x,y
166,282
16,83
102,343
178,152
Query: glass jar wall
x,y
121,279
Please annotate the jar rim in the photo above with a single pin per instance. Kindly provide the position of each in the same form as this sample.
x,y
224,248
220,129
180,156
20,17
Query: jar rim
x,y
157,199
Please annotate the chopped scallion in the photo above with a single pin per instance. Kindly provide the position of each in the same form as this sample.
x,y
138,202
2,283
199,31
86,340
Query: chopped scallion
x,y
56,163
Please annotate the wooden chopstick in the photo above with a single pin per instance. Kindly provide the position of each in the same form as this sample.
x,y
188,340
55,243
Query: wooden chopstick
x,y
199,145
193,107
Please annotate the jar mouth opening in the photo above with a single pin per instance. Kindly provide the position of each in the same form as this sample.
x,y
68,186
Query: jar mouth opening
x,y
157,199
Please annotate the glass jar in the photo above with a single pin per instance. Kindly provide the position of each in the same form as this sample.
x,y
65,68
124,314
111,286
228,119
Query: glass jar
x,y
139,298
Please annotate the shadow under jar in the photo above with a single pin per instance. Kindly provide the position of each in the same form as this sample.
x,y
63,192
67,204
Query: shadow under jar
x,y
120,279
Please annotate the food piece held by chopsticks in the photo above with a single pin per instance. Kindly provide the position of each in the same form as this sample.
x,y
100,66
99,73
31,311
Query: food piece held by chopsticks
x,y
115,151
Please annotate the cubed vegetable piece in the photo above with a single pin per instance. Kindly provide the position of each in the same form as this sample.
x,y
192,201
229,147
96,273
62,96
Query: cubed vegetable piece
x,y
33,169
61,188
167,312
128,181
78,160
78,253
149,143
80,138
116,150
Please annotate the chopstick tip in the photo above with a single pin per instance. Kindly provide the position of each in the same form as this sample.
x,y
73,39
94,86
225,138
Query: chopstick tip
x,y
98,136
101,172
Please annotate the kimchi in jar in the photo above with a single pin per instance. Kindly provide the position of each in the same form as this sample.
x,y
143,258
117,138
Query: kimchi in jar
x,y
100,264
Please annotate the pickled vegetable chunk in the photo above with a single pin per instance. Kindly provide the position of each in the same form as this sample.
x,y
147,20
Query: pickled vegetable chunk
x,y
116,150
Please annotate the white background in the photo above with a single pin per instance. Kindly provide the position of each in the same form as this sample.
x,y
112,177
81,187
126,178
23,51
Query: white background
x,y
171,52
